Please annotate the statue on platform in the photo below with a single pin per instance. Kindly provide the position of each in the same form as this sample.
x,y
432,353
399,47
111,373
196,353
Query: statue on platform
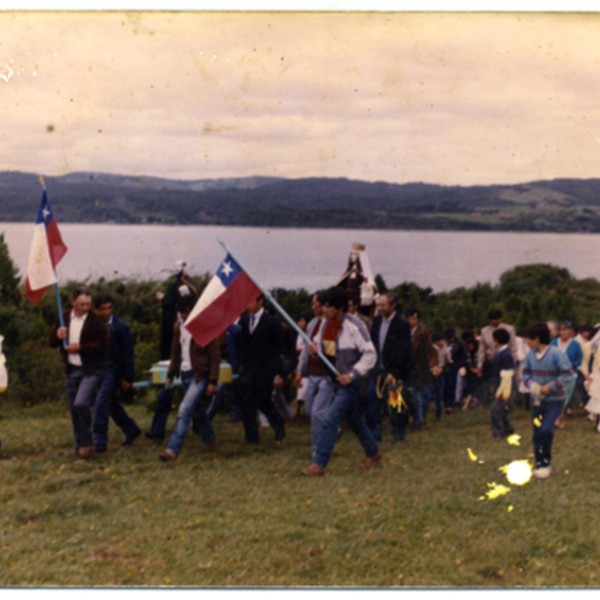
x,y
358,280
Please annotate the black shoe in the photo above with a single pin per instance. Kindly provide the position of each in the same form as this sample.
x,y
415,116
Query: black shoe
x,y
129,439
154,435
279,435
99,448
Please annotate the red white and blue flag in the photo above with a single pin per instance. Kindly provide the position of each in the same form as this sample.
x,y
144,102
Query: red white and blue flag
x,y
47,250
228,294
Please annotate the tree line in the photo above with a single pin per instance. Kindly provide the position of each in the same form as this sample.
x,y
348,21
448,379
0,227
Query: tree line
x,y
525,294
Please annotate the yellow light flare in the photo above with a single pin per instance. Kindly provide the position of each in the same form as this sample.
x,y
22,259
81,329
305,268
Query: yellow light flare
x,y
518,472
514,439
471,455
496,490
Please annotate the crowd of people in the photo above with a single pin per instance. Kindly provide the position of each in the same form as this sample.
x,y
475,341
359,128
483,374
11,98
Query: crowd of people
x,y
360,370
359,364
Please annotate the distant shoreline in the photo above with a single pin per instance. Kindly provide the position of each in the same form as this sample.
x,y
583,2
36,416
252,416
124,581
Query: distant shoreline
x,y
552,206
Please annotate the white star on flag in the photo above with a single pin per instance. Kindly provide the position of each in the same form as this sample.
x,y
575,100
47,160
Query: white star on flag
x,y
45,212
227,269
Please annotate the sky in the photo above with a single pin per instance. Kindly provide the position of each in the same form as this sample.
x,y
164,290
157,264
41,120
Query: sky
x,y
447,98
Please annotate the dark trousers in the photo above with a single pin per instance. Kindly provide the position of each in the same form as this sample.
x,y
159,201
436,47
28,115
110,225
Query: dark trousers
x,y
81,393
484,392
500,418
398,418
256,395
439,385
450,389
108,405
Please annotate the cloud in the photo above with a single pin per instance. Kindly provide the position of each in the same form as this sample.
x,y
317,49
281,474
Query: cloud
x,y
444,98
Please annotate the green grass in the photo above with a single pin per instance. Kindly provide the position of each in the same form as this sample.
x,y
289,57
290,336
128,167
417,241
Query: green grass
x,y
245,517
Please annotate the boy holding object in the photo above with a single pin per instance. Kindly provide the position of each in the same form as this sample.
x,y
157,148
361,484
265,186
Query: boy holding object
x,y
549,376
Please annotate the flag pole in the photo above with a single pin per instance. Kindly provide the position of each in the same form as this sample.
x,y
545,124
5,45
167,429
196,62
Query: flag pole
x,y
58,302
280,309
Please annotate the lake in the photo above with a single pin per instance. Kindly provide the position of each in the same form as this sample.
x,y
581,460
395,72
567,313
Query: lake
x,y
308,258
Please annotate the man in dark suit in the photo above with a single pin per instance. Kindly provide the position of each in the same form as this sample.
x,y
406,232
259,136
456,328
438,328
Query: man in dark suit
x,y
116,375
263,367
84,353
390,334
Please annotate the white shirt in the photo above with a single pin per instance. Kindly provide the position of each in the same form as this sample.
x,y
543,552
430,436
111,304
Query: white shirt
x,y
540,353
75,327
185,339
255,318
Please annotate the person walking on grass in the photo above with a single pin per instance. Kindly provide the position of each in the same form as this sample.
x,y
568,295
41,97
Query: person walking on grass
x,y
319,390
459,361
424,360
83,356
345,341
503,371
390,335
486,350
203,363
443,359
549,376
571,347
117,374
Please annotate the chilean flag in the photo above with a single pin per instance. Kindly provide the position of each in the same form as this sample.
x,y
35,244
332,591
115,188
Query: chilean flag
x,y
227,295
47,250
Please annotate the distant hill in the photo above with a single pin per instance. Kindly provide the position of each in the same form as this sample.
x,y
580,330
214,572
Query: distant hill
x,y
561,205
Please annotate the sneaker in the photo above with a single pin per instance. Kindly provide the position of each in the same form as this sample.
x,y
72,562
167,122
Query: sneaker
x,y
155,435
208,448
542,472
167,455
371,461
313,470
99,448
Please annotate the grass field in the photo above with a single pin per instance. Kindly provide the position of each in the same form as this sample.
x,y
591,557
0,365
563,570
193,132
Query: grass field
x,y
245,517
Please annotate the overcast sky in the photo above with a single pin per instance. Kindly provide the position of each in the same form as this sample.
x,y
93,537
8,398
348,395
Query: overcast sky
x,y
441,98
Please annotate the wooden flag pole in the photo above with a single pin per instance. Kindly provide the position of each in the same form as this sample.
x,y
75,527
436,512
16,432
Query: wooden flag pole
x,y
280,309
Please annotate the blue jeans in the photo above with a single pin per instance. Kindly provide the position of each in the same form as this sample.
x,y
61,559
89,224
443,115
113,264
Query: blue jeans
x,y
81,393
543,433
344,404
318,397
424,395
108,405
165,400
187,408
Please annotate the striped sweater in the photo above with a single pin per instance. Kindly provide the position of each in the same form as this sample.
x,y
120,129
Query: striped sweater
x,y
354,350
553,368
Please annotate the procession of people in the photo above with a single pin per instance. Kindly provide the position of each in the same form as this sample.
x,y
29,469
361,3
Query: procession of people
x,y
355,366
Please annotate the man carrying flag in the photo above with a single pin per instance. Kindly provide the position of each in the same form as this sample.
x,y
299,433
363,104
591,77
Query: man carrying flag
x,y
47,250
86,352
227,295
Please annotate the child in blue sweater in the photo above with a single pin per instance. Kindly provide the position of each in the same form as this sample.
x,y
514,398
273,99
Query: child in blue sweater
x,y
550,377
